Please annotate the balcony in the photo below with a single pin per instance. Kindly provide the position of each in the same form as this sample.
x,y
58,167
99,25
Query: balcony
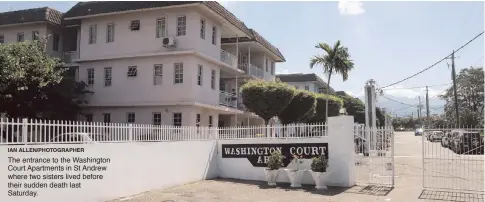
x,y
253,70
228,58
230,100
69,56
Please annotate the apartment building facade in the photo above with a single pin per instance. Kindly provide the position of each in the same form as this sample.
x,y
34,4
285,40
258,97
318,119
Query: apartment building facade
x,y
309,82
168,63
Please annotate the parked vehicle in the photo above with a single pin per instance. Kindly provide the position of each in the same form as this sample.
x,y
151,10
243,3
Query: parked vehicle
x,y
419,131
435,136
467,142
445,140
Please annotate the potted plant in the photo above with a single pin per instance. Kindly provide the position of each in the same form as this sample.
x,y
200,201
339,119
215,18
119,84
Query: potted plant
x,y
319,171
275,162
295,174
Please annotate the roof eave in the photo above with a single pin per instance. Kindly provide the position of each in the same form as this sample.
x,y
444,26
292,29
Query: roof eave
x,y
131,11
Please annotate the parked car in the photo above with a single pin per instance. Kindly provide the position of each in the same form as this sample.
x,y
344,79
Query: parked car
x,y
445,140
435,136
419,131
467,142
74,138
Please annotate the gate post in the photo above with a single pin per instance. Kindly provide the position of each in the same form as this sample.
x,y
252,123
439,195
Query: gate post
x,y
341,151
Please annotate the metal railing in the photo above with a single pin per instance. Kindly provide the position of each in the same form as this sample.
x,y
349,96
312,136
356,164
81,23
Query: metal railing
x,y
69,56
35,131
227,99
453,158
228,58
256,71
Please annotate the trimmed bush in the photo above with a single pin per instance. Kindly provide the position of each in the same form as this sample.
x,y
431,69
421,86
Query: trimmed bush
x,y
302,104
334,105
266,99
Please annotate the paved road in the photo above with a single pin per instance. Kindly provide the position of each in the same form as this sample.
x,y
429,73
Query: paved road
x,y
408,183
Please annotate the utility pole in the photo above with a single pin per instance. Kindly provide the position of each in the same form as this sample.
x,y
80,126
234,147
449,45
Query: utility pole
x,y
427,105
419,107
453,74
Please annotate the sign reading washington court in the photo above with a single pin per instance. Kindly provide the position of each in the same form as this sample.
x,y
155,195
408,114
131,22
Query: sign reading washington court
x,y
258,154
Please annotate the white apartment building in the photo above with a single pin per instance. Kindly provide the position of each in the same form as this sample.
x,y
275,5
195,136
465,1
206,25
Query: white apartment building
x,y
309,82
169,63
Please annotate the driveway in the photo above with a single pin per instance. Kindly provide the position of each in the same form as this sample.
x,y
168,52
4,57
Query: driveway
x,y
408,186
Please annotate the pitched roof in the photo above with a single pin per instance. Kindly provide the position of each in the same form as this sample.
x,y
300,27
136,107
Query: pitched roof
x,y
44,14
101,7
257,38
299,77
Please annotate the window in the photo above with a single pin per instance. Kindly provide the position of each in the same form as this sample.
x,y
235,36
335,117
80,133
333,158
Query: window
x,y
157,118
35,35
2,39
266,61
210,121
55,42
93,31
199,75
181,25
214,34
106,117
178,73
307,88
213,79
272,68
135,25
157,74
161,27
202,29
91,76
130,117
89,118
107,76
197,120
20,37
131,71
177,119
110,33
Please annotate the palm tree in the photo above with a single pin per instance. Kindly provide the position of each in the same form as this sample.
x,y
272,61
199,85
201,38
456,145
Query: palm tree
x,y
335,60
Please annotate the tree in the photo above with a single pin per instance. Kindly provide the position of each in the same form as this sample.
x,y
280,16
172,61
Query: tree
x,y
354,107
302,104
34,85
335,60
470,96
266,99
323,101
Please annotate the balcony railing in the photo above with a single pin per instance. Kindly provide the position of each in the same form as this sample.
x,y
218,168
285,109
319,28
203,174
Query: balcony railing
x,y
228,58
69,56
227,99
256,71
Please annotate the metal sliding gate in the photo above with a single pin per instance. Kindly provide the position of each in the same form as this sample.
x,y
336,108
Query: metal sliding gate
x,y
374,160
453,159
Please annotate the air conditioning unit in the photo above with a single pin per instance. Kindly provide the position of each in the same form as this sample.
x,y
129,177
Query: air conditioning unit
x,y
168,42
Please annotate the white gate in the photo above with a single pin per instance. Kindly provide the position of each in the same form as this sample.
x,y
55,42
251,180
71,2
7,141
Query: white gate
x,y
453,159
374,161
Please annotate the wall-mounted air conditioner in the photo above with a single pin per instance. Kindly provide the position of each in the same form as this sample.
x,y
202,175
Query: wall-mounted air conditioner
x,y
168,42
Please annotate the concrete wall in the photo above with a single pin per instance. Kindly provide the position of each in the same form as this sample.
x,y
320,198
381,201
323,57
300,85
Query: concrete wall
x,y
128,42
144,115
140,90
340,149
134,168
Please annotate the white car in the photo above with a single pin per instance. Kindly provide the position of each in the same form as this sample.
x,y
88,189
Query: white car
x,y
80,138
435,136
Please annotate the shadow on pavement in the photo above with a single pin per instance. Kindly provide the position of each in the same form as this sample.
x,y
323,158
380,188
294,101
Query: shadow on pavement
x,y
451,196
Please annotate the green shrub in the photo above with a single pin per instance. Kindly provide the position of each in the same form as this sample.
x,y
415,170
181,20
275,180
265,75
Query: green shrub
x,y
302,103
334,104
319,164
275,161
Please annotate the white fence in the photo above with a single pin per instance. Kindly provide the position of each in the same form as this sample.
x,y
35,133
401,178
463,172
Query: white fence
x,y
29,131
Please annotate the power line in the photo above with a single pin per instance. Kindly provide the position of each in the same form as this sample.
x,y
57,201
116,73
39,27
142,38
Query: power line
x,y
398,101
419,87
435,62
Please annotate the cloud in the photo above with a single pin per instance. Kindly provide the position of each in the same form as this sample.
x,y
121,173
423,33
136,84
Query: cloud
x,y
350,7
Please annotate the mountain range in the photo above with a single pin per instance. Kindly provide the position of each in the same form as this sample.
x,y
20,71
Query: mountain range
x,y
400,106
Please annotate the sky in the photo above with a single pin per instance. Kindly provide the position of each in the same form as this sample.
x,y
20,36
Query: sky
x,y
388,41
